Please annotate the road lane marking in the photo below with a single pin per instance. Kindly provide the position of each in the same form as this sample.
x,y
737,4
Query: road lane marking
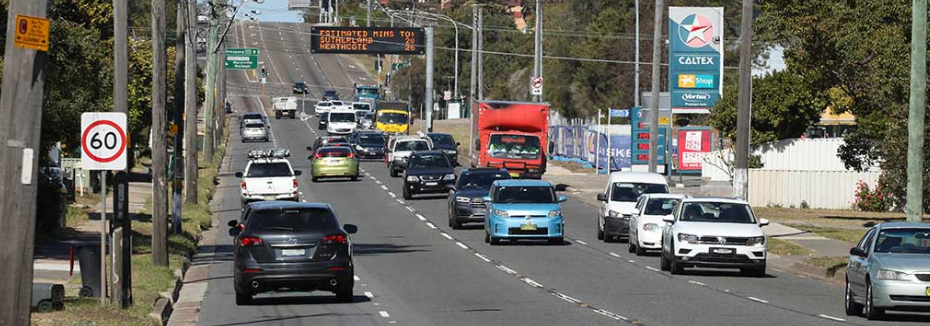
x,y
369,295
410,209
532,282
566,298
613,254
757,299
447,235
831,317
461,245
392,194
355,277
581,242
652,268
632,261
698,283
384,314
609,314
430,225
399,201
505,269
377,181
421,217
486,259
384,187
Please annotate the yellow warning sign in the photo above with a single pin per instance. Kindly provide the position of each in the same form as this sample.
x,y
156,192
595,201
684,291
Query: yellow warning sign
x,y
31,33
663,120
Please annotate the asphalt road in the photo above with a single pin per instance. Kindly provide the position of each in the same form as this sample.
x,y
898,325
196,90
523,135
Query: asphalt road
x,y
413,269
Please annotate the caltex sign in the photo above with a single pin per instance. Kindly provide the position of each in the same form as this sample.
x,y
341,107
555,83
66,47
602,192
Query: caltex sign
x,y
695,58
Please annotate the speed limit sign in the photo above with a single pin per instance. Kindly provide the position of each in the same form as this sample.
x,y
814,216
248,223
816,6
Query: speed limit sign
x,y
103,141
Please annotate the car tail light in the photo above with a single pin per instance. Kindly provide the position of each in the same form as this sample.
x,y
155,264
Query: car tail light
x,y
295,182
242,184
336,238
351,155
318,155
250,241
250,270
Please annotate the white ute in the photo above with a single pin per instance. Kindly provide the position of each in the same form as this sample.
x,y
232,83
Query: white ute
x,y
285,106
268,176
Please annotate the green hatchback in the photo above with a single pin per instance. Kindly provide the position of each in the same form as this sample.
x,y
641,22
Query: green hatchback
x,y
334,162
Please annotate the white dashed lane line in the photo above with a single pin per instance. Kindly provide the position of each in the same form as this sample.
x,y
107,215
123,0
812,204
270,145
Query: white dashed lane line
x,y
462,245
581,242
356,278
615,255
421,217
383,187
757,299
409,208
384,314
430,225
369,295
831,317
446,235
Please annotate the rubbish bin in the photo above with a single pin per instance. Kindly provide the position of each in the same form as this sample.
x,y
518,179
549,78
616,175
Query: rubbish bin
x,y
89,258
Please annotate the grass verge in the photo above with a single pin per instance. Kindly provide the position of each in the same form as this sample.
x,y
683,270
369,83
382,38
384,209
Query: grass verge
x,y
148,280
785,248
842,234
831,265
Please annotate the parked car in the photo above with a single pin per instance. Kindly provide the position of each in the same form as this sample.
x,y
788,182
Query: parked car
x,y
618,201
466,199
285,246
714,232
523,209
334,162
446,143
646,224
428,172
889,269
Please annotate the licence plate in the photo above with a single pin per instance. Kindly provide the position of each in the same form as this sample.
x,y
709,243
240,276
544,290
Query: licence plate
x,y
928,291
331,161
528,227
723,251
514,175
293,252
431,183
270,198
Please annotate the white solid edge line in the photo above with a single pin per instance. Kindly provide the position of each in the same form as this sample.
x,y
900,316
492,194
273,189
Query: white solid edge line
x,y
831,317
757,299
461,245
384,314
430,225
369,295
446,235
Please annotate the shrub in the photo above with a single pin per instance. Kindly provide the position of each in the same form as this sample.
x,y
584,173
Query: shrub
x,y
873,200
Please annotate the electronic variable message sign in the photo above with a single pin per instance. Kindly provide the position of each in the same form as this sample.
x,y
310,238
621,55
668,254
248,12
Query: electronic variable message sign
x,y
367,40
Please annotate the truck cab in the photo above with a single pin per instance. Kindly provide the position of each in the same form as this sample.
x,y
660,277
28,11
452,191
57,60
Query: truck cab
x,y
512,136
392,117
363,92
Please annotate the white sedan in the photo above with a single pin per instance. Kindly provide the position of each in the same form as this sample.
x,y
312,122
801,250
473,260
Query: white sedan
x,y
322,107
647,222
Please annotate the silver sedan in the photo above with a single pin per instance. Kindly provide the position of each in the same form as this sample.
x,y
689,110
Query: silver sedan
x,y
889,269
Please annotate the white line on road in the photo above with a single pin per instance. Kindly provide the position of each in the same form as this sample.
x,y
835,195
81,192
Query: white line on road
x,y
392,194
400,201
566,298
581,242
369,295
529,281
505,269
421,217
831,317
384,187
410,209
461,245
384,314
757,299
632,261
430,225
355,277
609,314
652,268
378,182
482,257
446,235
613,254
698,283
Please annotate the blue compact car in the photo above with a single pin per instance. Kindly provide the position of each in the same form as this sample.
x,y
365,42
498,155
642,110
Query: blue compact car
x,y
523,209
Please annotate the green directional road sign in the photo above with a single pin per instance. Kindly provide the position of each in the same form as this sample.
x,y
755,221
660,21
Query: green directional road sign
x,y
242,58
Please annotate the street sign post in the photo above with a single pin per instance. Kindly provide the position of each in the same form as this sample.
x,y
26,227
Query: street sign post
x,y
242,59
536,86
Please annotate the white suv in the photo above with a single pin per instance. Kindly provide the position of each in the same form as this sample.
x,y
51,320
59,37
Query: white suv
x,y
714,232
268,176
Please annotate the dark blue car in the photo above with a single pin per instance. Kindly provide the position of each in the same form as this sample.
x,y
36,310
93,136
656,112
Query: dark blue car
x,y
466,203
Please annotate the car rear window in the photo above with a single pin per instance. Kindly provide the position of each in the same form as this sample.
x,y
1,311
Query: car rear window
x,y
481,180
334,152
302,219
269,170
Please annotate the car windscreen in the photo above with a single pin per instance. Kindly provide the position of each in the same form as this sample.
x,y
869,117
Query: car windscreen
x,y
513,147
440,139
297,219
254,125
393,118
368,91
341,117
339,103
361,107
904,241
524,195
324,104
374,140
630,191
416,145
429,162
481,180
660,206
269,170
334,152
716,212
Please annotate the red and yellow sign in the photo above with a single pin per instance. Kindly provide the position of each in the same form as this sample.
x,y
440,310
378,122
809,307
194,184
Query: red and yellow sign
x,y
31,33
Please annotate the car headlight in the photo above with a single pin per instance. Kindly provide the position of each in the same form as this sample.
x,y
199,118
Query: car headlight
x,y
755,241
450,176
501,213
616,214
650,227
412,178
359,148
689,238
463,199
887,274
451,152
555,213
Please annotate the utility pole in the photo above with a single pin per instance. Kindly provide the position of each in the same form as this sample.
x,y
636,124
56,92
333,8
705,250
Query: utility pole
x,y
159,147
429,79
744,105
480,57
190,107
656,70
537,62
474,80
915,119
209,107
120,104
221,89
368,21
21,107
180,63
636,95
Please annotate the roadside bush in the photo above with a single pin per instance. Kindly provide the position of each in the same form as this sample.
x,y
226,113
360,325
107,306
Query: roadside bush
x,y
873,200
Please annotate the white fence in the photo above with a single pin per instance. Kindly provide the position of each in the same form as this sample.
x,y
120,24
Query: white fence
x,y
820,189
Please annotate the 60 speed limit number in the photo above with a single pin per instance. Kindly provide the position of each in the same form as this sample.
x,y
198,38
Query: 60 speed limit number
x,y
103,141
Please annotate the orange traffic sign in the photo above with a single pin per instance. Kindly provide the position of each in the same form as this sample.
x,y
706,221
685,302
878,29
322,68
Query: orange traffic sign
x,y
31,32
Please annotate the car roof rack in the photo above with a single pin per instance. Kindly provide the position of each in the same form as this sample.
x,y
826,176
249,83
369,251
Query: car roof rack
x,y
269,153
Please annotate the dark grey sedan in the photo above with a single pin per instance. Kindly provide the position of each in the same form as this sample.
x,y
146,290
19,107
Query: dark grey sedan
x,y
286,246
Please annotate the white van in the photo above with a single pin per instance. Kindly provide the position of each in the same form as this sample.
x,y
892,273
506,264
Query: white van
x,y
618,201
341,122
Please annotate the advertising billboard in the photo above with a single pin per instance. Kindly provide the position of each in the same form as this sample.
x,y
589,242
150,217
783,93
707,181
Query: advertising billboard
x,y
693,144
695,72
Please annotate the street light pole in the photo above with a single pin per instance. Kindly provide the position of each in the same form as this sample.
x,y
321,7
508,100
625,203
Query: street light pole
x,y
473,81
636,95
537,60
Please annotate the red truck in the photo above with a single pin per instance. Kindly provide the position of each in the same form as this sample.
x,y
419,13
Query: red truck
x,y
512,135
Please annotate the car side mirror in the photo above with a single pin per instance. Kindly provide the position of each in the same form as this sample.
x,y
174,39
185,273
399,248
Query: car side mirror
x,y
239,175
458,144
234,232
562,198
602,197
763,222
350,228
309,148
856,251
233,223
668,219
486,198
297,173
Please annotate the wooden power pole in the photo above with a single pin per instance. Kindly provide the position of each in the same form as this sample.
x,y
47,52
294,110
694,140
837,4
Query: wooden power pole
x,y
180,58
21,109
656,84
190,107
744,105
159,146
915,119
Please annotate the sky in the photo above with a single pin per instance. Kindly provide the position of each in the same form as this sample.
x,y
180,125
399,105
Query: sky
x,y
272,11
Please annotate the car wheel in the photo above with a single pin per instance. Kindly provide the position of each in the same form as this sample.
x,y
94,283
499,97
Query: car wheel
x,y
243,299
494,241
407,194
753,271
871,312
393,172
640,250
277,115
44,306
558,241
853,308
314,179
344,294
600,232
454,223
673,266
630,247
663,262
487,237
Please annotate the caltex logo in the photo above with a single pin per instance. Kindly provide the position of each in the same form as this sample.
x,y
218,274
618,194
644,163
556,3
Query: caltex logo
x,y
696,31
